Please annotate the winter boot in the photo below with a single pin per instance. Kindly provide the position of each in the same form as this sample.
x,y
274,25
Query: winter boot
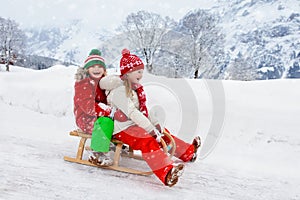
x,y
125,148
104,160
173,175
197,144
93,157
99,158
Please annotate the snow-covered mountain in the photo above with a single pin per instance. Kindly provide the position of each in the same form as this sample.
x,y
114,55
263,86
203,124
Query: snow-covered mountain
x,y
256,156
69,43
265,33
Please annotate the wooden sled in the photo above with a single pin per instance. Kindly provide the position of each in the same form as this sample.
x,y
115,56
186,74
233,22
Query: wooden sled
x,y
117,154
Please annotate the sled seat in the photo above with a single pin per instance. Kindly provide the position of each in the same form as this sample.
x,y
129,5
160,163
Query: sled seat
x,y
117,154
118,143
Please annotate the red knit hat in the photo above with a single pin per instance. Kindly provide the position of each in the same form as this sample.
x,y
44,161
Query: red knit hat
x,y
130,62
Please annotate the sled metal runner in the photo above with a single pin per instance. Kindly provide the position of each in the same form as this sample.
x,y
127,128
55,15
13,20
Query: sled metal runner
x,y
117,154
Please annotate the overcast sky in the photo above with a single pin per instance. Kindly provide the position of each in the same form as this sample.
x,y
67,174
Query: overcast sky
x,y
106,13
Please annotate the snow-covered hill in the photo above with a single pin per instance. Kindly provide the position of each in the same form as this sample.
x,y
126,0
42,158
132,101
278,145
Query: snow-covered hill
x,y
256,156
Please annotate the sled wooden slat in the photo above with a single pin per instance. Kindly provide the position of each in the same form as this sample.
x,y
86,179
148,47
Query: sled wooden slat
x,y
118,153
113,167
79,133
116,159
130,154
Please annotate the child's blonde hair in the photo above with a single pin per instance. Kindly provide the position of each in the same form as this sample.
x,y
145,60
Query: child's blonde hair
x,y
128,88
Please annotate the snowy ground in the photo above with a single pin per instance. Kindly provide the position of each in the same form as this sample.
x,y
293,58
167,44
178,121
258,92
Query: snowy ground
x,y
257,156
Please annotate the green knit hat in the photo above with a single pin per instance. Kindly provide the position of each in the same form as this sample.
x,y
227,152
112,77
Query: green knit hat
x,y
94,58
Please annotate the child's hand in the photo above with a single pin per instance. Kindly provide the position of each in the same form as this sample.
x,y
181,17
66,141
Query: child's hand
x,y
157,135
112,113
158,127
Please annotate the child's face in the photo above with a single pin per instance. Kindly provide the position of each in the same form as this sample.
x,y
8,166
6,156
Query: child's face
x,y
135,76
96,71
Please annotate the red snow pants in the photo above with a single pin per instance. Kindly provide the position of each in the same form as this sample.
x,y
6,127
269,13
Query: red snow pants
x,y
184,151
159,162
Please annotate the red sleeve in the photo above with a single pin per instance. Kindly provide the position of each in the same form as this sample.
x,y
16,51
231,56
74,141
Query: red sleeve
x,y
101,111
84,97
101,103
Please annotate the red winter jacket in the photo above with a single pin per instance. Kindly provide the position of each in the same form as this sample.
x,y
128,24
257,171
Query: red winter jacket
x,y
86,99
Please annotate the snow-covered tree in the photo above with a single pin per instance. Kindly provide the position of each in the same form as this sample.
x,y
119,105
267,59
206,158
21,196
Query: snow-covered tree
x,y
194,48
12,41
204,42
145,31
241,69
170,64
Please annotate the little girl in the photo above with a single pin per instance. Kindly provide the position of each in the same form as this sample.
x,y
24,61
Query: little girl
x,y
139,130
90,108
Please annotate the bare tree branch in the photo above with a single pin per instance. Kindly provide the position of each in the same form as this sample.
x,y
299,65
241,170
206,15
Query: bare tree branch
x,y
145,31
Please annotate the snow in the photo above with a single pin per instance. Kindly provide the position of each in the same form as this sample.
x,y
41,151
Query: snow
x,y
266,69
257,19
256,157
